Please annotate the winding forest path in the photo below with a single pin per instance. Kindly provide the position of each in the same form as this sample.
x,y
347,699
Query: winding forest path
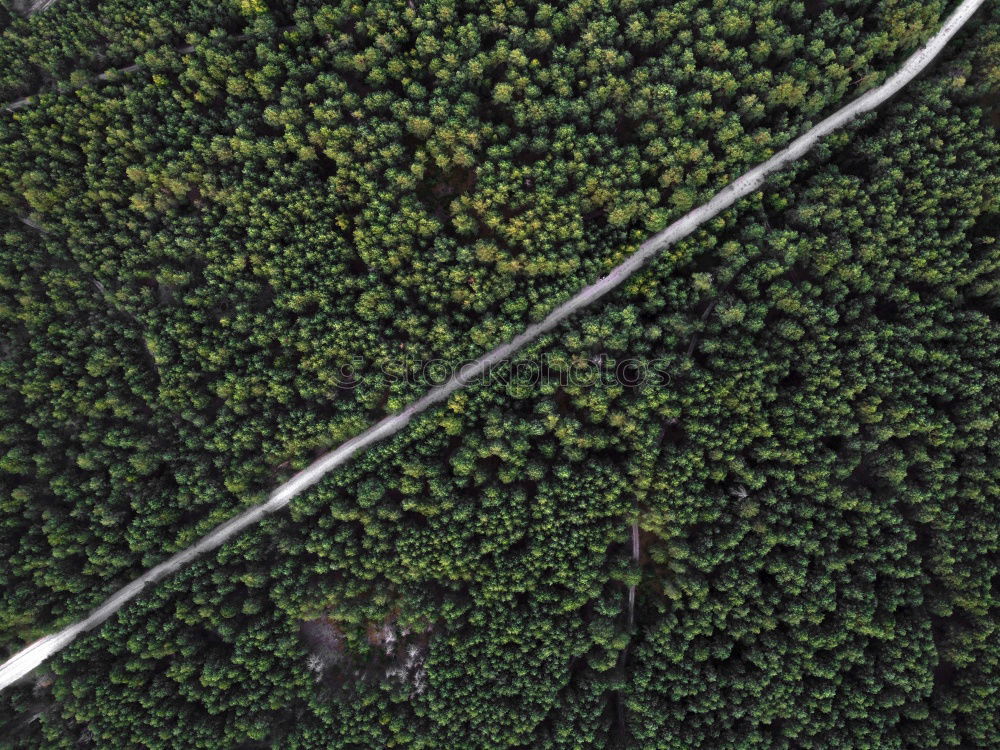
x,y
24,101
187,49
33,655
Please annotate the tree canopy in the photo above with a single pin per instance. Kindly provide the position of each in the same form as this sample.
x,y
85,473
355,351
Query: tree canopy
x,y
212,267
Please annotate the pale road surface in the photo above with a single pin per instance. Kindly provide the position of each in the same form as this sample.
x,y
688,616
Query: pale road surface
x,y
30,657
38,6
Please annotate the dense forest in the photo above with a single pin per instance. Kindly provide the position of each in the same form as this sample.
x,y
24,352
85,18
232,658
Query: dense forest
x,y
211,264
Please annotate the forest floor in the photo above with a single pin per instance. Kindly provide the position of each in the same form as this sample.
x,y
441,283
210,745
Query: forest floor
x,y
35,654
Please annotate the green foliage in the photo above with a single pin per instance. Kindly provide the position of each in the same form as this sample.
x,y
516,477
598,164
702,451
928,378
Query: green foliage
x,y
229,233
